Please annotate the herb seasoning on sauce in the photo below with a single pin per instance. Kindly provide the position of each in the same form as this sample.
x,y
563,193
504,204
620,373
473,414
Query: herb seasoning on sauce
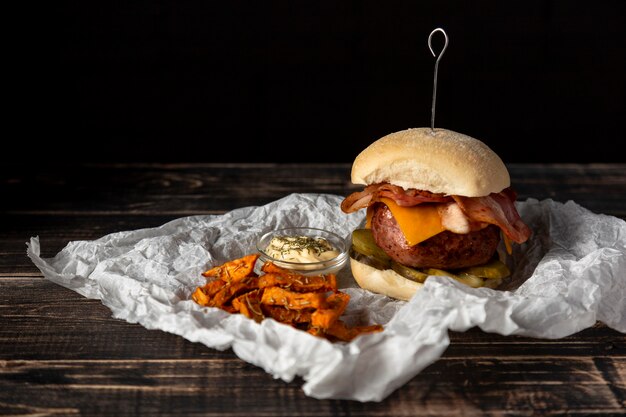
x,y
301,249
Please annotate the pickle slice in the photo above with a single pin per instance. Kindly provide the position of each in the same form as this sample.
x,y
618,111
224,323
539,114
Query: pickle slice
x,y
372,261
363,241
408,272
492,283
463,277
435,271
493,269
470,280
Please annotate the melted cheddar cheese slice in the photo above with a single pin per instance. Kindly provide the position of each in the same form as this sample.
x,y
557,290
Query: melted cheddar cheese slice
x,y
417,223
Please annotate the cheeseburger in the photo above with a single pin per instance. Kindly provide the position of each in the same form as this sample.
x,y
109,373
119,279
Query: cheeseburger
x,y
437,203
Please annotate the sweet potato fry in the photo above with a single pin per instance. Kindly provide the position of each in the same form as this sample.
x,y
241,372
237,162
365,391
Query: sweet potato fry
x,y
212,287
235,270
200,297
309,303
233,289
249,304
325,317
340,331
286,316
293,300
326,282
270,267
299,283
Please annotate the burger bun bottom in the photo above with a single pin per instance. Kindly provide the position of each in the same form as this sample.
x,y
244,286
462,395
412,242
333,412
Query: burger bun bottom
x,y
387,282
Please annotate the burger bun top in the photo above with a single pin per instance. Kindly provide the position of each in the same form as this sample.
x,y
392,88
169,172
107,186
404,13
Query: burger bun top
x,y
439,161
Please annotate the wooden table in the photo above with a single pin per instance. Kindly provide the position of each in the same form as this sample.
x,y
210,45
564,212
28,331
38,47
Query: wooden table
x,y
63,354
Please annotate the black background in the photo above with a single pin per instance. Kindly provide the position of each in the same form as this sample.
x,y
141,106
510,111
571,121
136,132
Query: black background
x,y
312,81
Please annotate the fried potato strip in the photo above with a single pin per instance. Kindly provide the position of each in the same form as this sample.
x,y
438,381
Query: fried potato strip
x,y
249,304
310,303
234,270
336,305
340,331
232,289
293,300
292,317
321,283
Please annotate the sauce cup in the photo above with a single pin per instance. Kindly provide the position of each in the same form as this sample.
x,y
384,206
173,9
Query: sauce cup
x,y
327,266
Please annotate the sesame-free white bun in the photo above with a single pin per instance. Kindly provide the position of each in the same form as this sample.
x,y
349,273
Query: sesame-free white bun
x,y
439,161
383,281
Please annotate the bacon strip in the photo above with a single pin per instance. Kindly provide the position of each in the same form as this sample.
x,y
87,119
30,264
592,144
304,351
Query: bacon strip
x,y
496,208
373,193
499,209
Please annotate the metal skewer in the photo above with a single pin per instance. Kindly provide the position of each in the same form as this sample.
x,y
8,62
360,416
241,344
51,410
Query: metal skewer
x,y
430,46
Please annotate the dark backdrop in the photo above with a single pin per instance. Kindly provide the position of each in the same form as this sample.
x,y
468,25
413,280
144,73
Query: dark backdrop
x,y
296,81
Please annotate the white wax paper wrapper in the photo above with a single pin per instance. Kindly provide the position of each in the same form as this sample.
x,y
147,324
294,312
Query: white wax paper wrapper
x,y
570,273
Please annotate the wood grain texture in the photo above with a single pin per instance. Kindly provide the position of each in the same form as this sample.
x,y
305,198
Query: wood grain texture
x,y
187,189
231,387
62,354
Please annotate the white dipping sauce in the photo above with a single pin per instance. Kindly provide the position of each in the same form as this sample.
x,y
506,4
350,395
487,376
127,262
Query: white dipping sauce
x,y
302,249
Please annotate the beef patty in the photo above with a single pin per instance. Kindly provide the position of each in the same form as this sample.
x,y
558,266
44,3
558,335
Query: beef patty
x,y
446,250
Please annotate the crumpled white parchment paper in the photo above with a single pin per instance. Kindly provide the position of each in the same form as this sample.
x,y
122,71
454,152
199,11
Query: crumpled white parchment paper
x,y
570,273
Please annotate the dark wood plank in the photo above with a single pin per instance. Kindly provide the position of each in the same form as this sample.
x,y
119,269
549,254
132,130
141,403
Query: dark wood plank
x,y
197,189
600,188
55,231
452,386
164,189
40,319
